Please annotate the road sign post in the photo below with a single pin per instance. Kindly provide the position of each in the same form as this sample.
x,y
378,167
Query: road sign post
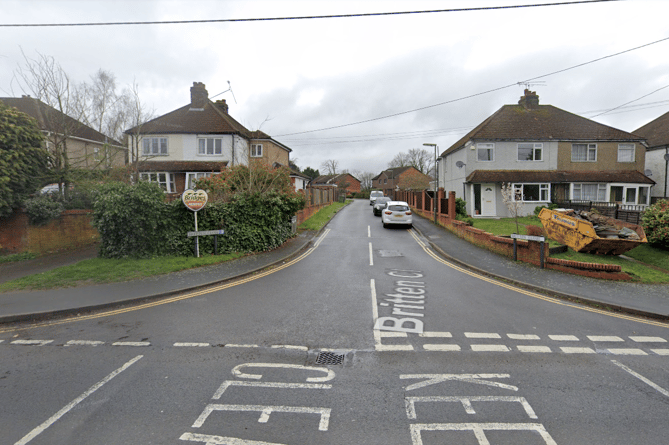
x,y
195,200
539,239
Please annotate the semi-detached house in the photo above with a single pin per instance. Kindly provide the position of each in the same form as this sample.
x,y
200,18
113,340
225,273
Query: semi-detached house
x,y
547,155
198,140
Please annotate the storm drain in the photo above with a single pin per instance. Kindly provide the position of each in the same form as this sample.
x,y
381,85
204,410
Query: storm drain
x,y
329,358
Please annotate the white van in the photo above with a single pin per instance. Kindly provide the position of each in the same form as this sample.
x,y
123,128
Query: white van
x,y
373,195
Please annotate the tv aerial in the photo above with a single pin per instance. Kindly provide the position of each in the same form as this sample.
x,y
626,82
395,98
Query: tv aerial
x,y
528,85
229,89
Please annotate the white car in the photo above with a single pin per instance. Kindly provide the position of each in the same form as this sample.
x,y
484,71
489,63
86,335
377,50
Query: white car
x,y
396,212
373,195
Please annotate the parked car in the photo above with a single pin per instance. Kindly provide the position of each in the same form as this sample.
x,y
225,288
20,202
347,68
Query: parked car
x,y
380,204
373,195
396,212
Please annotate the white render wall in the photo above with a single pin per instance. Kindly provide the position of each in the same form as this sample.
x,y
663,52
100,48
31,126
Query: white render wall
x,y
183,147
658,166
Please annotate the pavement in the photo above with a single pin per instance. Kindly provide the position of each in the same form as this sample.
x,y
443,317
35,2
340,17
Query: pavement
x,y
633,298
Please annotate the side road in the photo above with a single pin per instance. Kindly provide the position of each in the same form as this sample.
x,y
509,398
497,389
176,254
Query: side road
x,y
641,299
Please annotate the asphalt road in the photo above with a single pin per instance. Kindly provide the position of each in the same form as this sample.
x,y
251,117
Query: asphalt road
x,y
367,338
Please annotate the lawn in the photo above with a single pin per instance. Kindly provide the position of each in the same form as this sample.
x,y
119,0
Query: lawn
x,y
320,218
651,257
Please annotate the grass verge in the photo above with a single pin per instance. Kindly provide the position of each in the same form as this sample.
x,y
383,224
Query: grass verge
x,y
101,270
17,257
320,218
655,262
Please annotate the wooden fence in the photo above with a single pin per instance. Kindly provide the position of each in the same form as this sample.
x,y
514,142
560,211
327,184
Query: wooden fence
x,y
628,213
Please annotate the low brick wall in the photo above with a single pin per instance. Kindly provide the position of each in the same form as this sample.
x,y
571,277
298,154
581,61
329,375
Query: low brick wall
x,y
306,212
72,230
527,251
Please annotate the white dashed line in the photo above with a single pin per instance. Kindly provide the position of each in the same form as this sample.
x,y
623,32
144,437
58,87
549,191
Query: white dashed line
x,y
627,351
661,351
563,337
299,348
186,345
490,348
31,342
442,348
568,350
132,343
436,334
648,339
523,336
481,335
394,348
388,334
609,338
524,348
231,345
84,343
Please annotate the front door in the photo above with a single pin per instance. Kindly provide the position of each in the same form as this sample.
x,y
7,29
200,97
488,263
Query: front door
x,y
488,204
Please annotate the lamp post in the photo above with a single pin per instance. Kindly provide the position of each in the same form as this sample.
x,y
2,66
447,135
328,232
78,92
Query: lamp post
x,y
436,182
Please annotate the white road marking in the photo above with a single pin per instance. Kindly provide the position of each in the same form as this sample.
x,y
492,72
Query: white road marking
x,y
51,420
190,345
394,347
481,335
32,342
384,334
228,383
266,411
369,232
524,348
378,335
371,255
568,350
648,339
84,343
642,378
563,337
436,334
661,351
221,440
132,343
490,348
523,336
442,347
433,379
479,430
466,402
299,348
232,345
609,338
627,351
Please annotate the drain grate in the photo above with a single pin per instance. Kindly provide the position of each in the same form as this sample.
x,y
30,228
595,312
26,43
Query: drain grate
x,y
329,358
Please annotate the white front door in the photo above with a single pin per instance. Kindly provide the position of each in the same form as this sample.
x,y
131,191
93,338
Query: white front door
x,y
488,203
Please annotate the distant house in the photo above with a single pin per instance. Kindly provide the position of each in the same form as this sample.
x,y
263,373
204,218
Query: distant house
x,y
400,178
85,147
299,180
198,140
344,181
546,154
656,133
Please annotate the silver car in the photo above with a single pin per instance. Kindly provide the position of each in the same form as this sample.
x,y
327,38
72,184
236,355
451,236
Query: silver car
x,y
380,204
396,212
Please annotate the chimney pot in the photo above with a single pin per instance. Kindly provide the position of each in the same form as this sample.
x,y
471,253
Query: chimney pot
x,y
198,95
222,105
530,100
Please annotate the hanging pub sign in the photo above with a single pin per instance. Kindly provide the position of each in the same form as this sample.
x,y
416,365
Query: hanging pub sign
x,y
194,199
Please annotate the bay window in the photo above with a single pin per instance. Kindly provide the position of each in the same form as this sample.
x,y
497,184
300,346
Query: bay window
x,y
163,179
532,192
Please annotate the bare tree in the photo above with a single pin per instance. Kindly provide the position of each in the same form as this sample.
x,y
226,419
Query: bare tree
x,y
136,114
513,199
330,167
421,159
401,159
365,179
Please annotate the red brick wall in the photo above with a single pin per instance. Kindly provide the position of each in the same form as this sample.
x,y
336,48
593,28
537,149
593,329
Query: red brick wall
x,y
72,230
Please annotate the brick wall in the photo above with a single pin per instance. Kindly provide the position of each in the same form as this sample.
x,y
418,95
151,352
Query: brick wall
x,y
72,230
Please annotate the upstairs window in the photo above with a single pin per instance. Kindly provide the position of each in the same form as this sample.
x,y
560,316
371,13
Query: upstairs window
x,y
256,150
210,146
530,152
584,152
625,152
154,146
485,152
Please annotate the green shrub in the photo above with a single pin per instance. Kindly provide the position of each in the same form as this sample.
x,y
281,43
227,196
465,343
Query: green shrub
x,y
460,207
537,209
42,209
655,223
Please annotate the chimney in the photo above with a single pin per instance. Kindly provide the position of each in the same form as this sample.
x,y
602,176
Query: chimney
x,y
198,96
530,100
222,105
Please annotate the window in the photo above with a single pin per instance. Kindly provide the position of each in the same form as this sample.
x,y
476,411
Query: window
x,y
625,152
589,192
192,177
530,152
256,150
96,153
532,192
210,146
644,192
154,146
485,152
584,152
164,180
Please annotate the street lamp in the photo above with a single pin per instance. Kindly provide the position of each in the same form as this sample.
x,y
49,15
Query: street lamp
x,y
436,182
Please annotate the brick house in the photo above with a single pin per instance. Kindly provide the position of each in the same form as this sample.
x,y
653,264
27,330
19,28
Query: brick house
x,y
345,181
400,178
198,140
546,154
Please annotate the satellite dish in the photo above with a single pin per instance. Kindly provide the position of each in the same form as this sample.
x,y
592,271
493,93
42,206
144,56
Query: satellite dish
x,y
459,164
666,157
648,172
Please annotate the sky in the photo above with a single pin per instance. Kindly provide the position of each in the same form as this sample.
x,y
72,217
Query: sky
x,y
359,90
